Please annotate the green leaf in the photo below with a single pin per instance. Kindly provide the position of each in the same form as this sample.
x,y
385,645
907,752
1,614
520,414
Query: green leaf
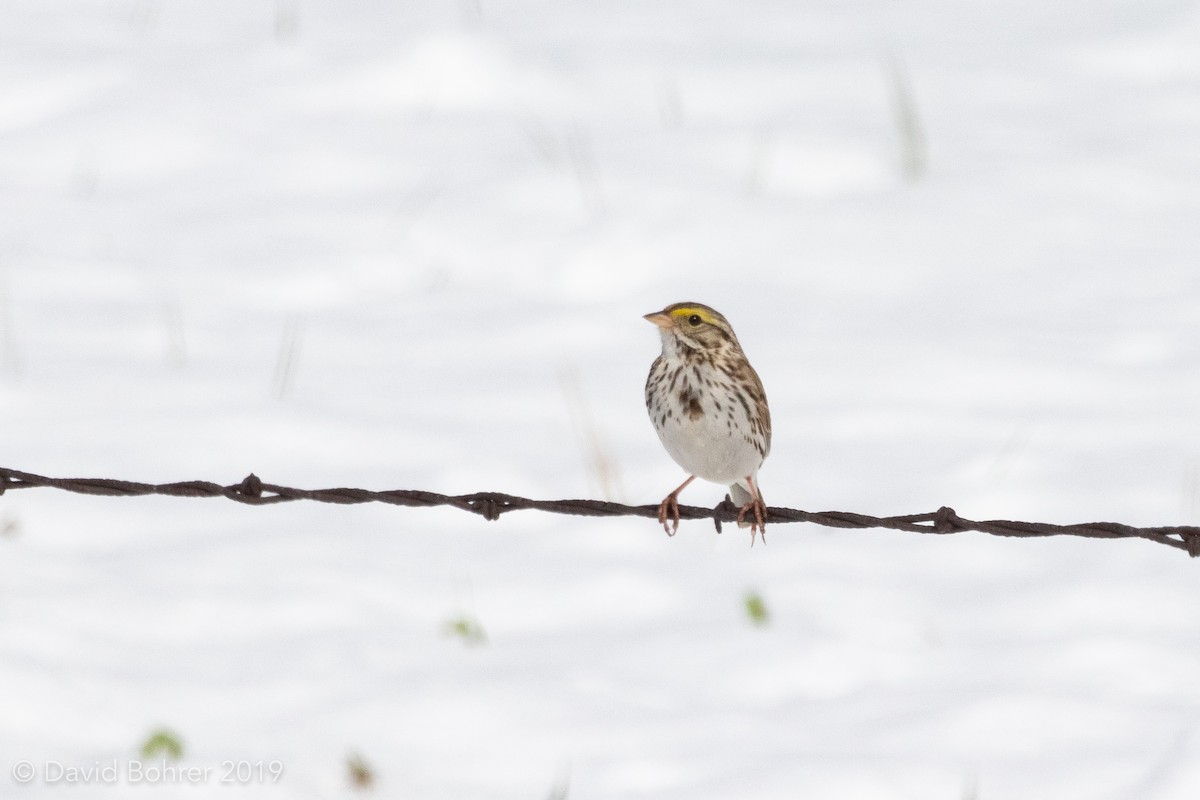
x,y
465,628
756,609
163,744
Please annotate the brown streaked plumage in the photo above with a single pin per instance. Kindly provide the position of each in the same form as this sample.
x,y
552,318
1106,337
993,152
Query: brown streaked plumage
x,y
709,408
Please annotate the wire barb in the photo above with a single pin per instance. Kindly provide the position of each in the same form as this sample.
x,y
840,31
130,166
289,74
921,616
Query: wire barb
x,y
490,505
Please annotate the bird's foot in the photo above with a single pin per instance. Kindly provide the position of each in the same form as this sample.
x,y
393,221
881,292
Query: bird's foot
x,y
669,508
758,525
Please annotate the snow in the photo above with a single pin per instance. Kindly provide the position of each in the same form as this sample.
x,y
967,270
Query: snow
x,y
451,217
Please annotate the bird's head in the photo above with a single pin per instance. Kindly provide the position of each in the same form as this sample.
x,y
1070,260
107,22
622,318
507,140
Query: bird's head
x,y
693,326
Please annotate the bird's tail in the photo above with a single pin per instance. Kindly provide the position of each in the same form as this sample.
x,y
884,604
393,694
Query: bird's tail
x,y
740,494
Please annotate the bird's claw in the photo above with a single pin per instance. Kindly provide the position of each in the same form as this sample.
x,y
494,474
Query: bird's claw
x,y
760,513
669,506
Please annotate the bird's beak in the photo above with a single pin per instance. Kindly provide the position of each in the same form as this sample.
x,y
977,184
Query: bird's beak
x,y
659,318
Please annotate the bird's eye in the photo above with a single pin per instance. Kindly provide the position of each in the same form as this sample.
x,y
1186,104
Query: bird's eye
x,y
694,320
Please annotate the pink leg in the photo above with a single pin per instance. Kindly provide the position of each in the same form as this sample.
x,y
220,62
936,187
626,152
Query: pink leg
x,y
671,506
760,512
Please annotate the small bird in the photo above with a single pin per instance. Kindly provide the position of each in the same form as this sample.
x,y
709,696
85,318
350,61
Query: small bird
x,y
709,409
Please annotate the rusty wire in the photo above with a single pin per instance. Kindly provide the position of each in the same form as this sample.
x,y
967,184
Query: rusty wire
x,y
490,505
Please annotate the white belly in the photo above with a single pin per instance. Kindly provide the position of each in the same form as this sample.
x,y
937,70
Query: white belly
x,y
708,449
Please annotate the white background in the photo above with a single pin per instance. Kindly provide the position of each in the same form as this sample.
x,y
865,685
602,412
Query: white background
x,y
451,217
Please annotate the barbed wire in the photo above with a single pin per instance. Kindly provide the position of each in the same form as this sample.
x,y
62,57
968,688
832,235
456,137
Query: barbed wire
x,y
490,505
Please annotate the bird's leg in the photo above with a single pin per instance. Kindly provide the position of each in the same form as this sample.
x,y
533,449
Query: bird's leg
x,y
760,512
671,506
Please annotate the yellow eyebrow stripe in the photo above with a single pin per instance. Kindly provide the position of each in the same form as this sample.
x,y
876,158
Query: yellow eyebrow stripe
x,y
687,311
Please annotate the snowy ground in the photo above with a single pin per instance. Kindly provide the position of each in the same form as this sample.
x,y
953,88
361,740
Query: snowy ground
x,y
452,216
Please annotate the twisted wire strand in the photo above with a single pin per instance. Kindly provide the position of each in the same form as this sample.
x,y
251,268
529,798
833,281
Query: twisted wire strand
x,y
490,505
